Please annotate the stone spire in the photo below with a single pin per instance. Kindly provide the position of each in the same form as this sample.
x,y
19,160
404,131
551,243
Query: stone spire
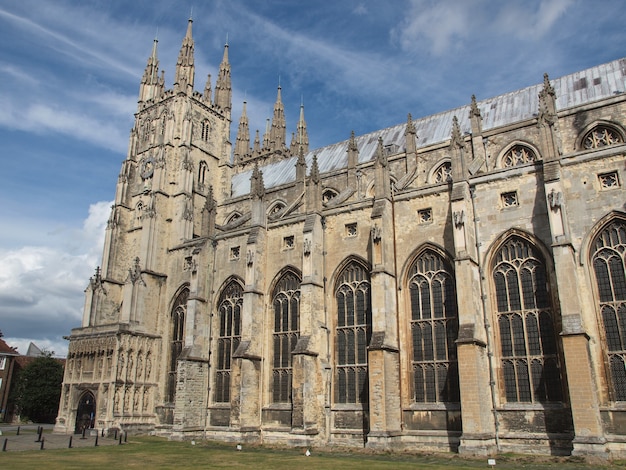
x,y
185,69
242,142
150,80
206,96
302,134
547,102
256,150
223,88
278,131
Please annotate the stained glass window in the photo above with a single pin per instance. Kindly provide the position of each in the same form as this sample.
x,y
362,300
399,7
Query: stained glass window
x,y
286,301
229,315
609,249
526,324
434,330
354,329
177,337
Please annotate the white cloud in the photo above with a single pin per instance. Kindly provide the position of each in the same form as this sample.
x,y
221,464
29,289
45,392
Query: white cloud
x,y
41,287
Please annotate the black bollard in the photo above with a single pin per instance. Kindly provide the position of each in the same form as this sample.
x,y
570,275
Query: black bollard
x,y
18,431
125,437
102,435
120,443
42,441
69,446
4,446
96,443
115,437
39,432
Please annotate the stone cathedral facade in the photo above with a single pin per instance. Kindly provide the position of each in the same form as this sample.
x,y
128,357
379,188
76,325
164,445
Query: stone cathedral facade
x,y
456,282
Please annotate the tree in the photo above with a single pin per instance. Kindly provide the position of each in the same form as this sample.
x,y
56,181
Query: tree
x,y
38,389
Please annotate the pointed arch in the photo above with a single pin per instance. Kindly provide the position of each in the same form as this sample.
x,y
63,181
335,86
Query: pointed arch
x,y
353,331
517,153
434,326
607,261
178,312
285,294
441,172
229,306
526,320
599,134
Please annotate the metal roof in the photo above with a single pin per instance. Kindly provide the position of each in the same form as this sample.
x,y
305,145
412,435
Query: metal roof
x,y
599,82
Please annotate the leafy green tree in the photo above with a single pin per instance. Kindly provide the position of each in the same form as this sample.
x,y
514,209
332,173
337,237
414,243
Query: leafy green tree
x,y
38,389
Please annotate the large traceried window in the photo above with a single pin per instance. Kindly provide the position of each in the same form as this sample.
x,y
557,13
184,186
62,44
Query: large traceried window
x,y
229,314
177,338
608,258
443,173
354,329
526,325
601,136
286,301
434,330
518,155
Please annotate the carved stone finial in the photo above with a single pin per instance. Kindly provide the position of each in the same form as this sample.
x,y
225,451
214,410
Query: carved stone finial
x,y
381,156
257,187
474,111
456,139
315,171
410,126
352,143
134,273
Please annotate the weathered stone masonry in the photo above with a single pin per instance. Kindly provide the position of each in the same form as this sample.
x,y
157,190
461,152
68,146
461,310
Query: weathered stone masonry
x,y
456,282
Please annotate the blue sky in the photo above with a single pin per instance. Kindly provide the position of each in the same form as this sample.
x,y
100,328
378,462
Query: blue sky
x,y
70,72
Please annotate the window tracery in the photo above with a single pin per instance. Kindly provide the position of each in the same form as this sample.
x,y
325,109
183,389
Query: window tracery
x,y
518,155
206,130
526,322
601,136
286,301
434,330
608,260
443,173
353,333
229,314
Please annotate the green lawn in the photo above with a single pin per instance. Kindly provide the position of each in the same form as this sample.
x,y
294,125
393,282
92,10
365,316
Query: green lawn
x,y
152,452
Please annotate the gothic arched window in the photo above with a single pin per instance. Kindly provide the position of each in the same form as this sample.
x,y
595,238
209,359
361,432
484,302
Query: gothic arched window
x,y
434,329
526,324
443,173
286,302
206,130
202,171
608,259
518,155
229,315
354,329
177,338
601,136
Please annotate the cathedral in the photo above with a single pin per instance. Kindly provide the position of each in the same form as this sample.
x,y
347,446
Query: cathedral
x,y
454,283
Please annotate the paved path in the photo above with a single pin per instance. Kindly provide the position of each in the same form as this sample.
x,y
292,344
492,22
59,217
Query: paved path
x,y
28,440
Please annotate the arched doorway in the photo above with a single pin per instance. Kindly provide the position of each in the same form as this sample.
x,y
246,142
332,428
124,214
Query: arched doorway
x,y
86,413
